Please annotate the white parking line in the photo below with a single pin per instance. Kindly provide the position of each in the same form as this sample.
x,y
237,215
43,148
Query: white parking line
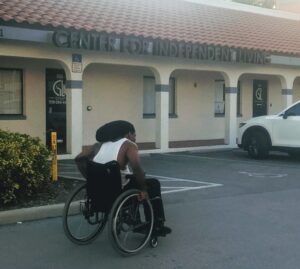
x,y
198,185
263,175
172,189
201,157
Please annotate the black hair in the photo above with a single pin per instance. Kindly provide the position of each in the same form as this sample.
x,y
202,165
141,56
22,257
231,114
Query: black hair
x,y
114,130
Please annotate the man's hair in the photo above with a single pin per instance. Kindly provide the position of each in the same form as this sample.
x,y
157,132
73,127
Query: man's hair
x,y
114,130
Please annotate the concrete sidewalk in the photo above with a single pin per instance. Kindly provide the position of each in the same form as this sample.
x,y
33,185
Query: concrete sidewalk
x,y
66,169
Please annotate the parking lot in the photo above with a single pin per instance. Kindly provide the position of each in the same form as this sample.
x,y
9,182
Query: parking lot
x,y
226,210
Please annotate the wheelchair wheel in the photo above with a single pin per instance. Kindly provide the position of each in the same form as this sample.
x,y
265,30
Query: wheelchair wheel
x,y
130,223
153,242
81,224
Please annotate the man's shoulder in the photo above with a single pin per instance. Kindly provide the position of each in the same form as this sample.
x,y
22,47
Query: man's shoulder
x,y
130,144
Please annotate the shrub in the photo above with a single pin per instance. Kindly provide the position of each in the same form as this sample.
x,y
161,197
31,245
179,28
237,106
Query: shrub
x,y
24,167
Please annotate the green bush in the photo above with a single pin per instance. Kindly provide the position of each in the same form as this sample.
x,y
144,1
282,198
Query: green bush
x,y
24,167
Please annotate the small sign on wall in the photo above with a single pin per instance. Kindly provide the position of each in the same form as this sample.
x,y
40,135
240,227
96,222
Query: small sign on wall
x,y
76,63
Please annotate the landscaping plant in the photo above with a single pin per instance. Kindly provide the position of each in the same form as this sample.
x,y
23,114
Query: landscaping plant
x,y
24,167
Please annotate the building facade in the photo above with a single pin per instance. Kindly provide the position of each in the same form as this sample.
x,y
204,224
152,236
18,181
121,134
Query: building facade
x,y
184,81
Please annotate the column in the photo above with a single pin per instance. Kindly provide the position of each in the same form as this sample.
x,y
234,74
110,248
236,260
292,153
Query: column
x,y
230,116
74,114
287,83
162,116
287,97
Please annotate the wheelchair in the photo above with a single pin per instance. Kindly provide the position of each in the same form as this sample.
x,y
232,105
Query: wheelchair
x,y
100,200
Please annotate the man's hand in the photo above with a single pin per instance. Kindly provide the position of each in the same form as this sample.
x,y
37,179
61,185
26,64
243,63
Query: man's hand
x,y
143,196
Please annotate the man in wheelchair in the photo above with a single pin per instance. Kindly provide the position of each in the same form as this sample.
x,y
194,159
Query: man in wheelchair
x,y
117,143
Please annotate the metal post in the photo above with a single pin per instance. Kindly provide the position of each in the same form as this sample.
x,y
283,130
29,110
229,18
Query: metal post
x,y
54,155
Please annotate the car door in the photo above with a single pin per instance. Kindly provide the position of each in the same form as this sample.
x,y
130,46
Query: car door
x,y
286,128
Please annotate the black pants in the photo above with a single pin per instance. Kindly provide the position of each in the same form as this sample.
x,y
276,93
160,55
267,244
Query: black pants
x,y
153,189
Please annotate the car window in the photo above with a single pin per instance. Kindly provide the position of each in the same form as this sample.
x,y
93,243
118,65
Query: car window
x,y
294,110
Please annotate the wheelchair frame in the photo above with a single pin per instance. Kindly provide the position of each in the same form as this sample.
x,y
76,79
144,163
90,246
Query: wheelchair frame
x,y
129,229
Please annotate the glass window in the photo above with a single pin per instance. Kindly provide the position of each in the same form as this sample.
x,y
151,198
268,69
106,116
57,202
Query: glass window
x,y
172,96
149,97
220,98
11,99
238,100
294,110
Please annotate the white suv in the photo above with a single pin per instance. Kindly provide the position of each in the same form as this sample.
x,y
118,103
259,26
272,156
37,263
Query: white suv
x,y
279,132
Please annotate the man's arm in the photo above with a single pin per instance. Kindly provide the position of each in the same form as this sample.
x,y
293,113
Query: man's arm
x,y
134,159
82,158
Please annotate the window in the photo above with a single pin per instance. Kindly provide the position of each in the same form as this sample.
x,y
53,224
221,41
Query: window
x,y
238,100
293,111
220,98
172,97
149,97
11,92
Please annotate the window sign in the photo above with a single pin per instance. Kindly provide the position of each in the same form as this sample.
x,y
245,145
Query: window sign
x,y
260,88
76,63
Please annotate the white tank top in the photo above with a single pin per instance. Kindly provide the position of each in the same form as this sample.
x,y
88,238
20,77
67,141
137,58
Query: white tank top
x,y
109,152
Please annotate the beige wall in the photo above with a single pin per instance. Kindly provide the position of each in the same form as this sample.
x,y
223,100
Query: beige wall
x,y
116,92
195,107
34,97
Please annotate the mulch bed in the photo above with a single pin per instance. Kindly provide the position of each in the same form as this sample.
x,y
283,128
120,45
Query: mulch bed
x,y
55,193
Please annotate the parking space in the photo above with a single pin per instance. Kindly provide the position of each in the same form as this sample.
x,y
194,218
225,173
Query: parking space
x,y
195,171
68,169
225,210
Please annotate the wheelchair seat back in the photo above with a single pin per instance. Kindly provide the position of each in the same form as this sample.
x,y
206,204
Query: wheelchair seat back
x,y
103,184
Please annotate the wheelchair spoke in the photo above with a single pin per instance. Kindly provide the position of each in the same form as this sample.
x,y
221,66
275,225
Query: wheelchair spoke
x,y
81,225
130,226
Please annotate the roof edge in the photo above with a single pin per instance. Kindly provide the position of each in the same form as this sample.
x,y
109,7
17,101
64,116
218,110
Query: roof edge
x,y
248,8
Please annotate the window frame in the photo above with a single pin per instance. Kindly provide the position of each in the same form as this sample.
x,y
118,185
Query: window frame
x,y
173,113
238,100
20,115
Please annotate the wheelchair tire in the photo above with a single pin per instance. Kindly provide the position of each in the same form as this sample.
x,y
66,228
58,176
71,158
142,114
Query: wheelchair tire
x,y
129,230
153,242
81,225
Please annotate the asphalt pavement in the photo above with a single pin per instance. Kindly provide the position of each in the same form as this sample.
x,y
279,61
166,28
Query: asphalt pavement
x,y
226,211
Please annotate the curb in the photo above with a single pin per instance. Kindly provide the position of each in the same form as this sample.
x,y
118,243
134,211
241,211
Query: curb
x,y
32,213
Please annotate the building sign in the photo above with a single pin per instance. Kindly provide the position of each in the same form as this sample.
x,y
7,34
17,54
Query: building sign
x,y
24,34
144,46
76,63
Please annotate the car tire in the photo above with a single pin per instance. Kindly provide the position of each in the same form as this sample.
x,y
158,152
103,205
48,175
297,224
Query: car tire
x,y
258,146
295,155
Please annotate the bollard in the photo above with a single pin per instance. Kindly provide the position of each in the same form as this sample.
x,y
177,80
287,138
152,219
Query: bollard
x,y
54,155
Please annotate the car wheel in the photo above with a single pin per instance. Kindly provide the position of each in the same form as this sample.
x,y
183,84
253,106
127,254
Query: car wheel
x,y
295,155
258,147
